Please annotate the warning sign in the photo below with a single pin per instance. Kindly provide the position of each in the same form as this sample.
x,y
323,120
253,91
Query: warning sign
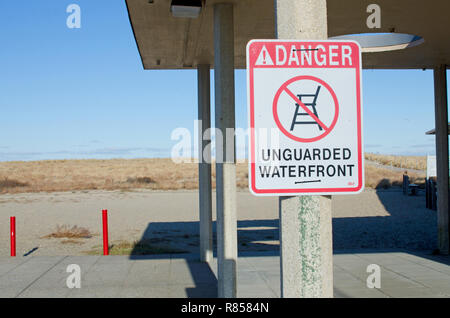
x,y
264,57
305,117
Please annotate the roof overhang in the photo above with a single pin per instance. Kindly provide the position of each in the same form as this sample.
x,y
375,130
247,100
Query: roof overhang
x,y
433,131
167,42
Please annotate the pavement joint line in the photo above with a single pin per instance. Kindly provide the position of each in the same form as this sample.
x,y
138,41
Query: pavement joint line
x,y
423,265
358,279
265,280
268,284
125,281
18,265
439,292
29,285
93,264
399,274
170,269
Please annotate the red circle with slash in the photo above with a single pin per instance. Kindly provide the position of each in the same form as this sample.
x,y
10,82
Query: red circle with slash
x,y
284,88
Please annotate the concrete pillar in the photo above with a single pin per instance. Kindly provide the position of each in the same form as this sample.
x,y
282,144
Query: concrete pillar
x,y
306,245
204,165
225,149
441,121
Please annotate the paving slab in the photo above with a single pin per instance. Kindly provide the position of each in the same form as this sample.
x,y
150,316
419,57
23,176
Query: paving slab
x,y
403,274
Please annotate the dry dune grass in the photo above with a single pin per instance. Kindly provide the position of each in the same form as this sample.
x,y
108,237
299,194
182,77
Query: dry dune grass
x,y
376,177
113,174
71,232
404,162
8,183
127,174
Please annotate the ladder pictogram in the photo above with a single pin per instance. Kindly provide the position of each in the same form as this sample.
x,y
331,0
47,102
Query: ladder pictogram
x,y
312,105
329,108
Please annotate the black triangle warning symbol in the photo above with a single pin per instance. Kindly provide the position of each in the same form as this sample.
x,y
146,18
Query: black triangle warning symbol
x,y
264,57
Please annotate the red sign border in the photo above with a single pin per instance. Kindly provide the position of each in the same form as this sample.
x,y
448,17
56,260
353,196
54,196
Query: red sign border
x,y
250,85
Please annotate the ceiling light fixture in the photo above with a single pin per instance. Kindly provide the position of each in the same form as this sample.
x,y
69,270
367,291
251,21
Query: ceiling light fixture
x,y
186,8
381,42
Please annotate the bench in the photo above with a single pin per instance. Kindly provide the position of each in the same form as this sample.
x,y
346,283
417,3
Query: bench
x,y
413,188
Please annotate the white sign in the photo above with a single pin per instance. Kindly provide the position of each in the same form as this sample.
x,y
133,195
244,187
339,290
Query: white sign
x,y
431,166
305,117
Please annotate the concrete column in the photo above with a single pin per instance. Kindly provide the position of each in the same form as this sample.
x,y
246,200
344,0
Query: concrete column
x,y
225,149
306,245
204,165
441,120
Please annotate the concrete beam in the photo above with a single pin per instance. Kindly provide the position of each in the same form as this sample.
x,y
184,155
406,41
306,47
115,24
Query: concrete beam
x,y
225,150
441,121
165,42
306,246
204,165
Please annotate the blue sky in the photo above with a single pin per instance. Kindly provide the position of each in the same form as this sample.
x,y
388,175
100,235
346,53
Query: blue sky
x,y
83,93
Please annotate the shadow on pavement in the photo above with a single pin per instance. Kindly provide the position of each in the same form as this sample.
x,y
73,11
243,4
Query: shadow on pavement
x,y
182,237
409,225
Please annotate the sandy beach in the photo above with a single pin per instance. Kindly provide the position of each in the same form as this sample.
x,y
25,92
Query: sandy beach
x,y
169,219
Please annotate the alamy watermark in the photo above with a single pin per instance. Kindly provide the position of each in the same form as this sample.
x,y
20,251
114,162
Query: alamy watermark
x,y
374,279
374,19
219,146
73,21
74,279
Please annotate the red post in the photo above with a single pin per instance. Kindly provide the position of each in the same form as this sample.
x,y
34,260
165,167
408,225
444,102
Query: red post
x,y
105,232
13,235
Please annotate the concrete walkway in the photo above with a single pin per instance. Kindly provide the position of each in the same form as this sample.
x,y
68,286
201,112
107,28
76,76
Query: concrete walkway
x,y
392,168
403,274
